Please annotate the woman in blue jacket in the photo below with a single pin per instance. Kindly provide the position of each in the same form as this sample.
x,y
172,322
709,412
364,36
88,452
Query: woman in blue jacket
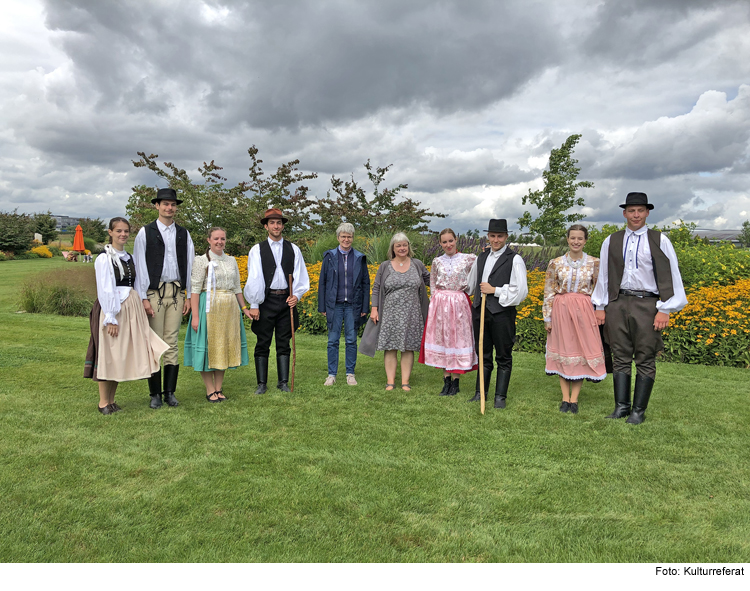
x,y
344,299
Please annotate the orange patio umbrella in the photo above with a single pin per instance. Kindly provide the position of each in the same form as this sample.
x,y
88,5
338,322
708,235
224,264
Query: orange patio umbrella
x,y
78,240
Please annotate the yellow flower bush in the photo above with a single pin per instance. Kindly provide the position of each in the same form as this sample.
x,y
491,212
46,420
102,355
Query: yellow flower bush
x,y
42,251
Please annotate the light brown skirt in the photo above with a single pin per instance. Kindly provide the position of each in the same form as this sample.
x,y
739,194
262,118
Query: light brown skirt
x,y
135,352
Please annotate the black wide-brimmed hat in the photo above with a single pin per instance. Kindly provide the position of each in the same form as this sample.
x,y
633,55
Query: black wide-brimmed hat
x,y
498,226
637,199
168,194
273,214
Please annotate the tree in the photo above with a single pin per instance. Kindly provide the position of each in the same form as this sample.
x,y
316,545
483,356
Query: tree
x,y
381,213
16,231
557,196
744,235
46,225
94,228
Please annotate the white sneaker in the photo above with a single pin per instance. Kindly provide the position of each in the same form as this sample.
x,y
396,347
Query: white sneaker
x,y
350,379
330,381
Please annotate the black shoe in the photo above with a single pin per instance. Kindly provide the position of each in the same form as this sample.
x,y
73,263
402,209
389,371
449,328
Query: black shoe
x,y
501,387
641,395
453,389
621,382
499,401
170,384
446,386
106,410
282,371
115,407
208,397
478,397
156,401
565,406
574,408
261,374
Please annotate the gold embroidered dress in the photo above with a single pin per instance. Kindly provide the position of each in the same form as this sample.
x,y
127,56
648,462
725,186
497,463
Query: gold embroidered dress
x,y
574,347
220,342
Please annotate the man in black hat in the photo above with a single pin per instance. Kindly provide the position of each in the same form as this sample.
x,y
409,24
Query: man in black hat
x,y
163,254
269,265
639,285
500,274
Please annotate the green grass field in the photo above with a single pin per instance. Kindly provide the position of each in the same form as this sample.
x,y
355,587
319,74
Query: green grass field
x,y
356,473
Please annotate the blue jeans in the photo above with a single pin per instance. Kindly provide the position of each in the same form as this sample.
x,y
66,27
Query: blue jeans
x,y
343,314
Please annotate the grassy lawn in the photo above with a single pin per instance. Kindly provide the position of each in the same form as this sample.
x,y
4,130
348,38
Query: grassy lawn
x,y
358,474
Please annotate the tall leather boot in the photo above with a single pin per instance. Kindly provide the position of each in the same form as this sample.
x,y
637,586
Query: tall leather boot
x,y
446,386
487,378
154,389
453,389
641,395
261,374
170,384
501,387
621,383
282,371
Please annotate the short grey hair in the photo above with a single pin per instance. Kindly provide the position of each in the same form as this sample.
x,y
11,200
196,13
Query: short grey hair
x,y
399,237
345,227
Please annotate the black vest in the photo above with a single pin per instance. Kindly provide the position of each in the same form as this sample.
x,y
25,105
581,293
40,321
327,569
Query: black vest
x,y
155,254
499,276
268,263
659,261
128,279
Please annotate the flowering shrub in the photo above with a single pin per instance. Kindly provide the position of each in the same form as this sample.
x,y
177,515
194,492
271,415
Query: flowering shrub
x,y
707,265
530,334
42,251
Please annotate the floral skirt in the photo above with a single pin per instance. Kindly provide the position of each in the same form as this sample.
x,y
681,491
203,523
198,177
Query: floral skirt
x,y
574,347
220,342
448,341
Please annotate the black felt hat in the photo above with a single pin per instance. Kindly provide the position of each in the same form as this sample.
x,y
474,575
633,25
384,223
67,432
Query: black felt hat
x,y
168,194
637,199
498,226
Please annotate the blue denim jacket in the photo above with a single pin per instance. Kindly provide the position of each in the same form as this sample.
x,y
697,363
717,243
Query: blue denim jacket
x,y
328,285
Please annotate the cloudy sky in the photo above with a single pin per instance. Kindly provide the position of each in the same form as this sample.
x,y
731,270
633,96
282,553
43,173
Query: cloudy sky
x,y
465,98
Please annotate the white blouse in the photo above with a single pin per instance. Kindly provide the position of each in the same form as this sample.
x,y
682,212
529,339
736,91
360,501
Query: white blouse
x,y
110,296
255,288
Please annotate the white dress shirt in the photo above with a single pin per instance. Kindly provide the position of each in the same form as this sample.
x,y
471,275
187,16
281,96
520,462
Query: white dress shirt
x,y
110,296
170,270
255,288
515,291
638,273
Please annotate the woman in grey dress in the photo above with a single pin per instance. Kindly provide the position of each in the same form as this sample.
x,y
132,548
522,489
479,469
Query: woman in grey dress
x,y
399,306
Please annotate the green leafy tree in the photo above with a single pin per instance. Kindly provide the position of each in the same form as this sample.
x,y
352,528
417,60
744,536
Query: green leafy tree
x,y
597,236
681,234
347,201
744,235
16,231
94,228
557,196
46,225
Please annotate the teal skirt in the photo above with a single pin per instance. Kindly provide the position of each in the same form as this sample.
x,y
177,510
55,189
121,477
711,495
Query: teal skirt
x,y
196,342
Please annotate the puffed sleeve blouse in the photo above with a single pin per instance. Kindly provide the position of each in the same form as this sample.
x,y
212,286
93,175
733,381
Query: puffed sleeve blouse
x,y
226,271
110,296
567,276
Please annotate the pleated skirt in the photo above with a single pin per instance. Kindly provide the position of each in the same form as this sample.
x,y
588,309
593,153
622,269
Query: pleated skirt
x,y
574,347
134,354
220,342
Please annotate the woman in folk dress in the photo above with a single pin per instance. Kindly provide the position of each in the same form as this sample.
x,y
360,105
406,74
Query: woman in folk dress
x,y
216,338
448,341
122,347
574,346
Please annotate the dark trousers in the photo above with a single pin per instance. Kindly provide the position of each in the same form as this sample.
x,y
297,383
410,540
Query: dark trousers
x,y
274,317
631,335
500,333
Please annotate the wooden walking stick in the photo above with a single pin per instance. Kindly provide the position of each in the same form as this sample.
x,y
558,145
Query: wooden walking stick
x,y
481,355
294,345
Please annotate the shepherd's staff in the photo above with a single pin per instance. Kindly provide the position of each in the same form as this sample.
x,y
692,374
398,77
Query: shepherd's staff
x,y
481,355
294,345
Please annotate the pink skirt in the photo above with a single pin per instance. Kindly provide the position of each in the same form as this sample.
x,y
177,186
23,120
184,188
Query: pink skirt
x,y
448,340
574,347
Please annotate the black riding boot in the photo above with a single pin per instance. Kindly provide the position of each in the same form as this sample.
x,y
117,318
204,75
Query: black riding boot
x,y
446,386
282,370
170,384
621,383
154,389
501,387
261,373
453,390
641,394
487,378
